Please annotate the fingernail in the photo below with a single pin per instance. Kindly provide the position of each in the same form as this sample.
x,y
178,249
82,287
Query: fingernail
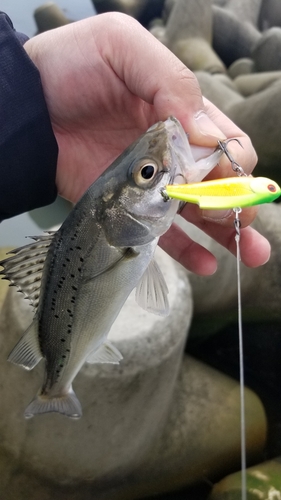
x,y
216,215
207,127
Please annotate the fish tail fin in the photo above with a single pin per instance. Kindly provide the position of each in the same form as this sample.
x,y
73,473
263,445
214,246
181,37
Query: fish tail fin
x,y
67,404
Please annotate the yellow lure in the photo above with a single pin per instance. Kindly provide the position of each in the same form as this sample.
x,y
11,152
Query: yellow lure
x,y
231,192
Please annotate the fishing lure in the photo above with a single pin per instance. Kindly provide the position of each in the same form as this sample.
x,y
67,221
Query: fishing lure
x,y
226,193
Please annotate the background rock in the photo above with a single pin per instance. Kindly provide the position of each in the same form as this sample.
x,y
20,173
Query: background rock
x,y
189,35
49,16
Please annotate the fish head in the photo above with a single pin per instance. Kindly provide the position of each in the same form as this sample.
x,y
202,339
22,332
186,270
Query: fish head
x,y
134,210
159,159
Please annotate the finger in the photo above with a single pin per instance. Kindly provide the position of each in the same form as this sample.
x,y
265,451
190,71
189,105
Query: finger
x,y
254,248
191,255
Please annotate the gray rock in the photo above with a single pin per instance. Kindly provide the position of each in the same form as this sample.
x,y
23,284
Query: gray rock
x,y
49,16
130,7
257,82
243,66
260,117
189,35
267,51
150,425
270,14
248,10
233,38
190,19
222,92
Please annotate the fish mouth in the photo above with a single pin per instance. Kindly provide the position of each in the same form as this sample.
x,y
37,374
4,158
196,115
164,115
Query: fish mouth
x,y
179,147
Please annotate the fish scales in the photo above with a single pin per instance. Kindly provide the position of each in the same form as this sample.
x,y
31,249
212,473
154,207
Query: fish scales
x,y
103,250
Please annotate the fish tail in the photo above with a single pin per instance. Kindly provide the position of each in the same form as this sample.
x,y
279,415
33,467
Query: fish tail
x,y
67,404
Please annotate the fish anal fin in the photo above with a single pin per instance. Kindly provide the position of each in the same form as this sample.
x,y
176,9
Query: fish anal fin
x,y
152,291
27,351
66,404
106,353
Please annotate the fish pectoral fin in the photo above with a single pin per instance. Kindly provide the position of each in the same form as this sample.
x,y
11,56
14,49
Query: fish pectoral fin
x,y
66,404
106,353
152,291
27,351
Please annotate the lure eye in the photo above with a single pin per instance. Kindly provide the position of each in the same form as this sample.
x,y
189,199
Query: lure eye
x,y
145,172
271,188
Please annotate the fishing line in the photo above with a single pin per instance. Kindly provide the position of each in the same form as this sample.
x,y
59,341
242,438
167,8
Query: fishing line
x,y
237,225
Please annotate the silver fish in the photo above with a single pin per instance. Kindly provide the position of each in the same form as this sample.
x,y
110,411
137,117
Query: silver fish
x,y
78,278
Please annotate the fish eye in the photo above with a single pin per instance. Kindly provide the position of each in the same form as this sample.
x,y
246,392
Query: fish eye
x,y
145,172
271,188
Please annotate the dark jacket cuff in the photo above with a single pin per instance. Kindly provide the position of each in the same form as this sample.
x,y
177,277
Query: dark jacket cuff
x,y
28,148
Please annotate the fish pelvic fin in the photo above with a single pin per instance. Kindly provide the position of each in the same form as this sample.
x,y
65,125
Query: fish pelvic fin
x,y
152,291
106,353
27,352
66,404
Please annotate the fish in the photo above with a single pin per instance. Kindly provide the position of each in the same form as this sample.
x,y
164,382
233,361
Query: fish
x,y
78,278
226,193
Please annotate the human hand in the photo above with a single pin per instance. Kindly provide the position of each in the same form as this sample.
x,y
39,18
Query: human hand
x,y
106,80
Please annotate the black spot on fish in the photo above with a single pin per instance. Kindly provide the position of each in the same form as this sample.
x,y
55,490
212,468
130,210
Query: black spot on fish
x,y
69,310
81,259
79,269
52,308
70,248
74,288
59,286
67,259
64,265
78,248
56,315
62,340
72,276
69,331
63,356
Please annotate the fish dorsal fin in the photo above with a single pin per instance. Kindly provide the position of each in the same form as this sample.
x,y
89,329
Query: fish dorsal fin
x,y
27,351
106,353
24,269
152,291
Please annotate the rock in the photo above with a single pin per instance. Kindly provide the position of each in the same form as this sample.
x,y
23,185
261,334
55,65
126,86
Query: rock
x,y
189,35
248,10
232,38
257,82
49,16
130,7
222,92
143,10
259,116
150,425
267,51
242,66
263,482
270,14
4,285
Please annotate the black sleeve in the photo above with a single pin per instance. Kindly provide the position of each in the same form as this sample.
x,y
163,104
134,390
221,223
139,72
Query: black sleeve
x,y
28,148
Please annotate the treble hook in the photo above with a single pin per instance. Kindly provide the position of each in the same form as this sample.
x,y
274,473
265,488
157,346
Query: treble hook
x,y
235,166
